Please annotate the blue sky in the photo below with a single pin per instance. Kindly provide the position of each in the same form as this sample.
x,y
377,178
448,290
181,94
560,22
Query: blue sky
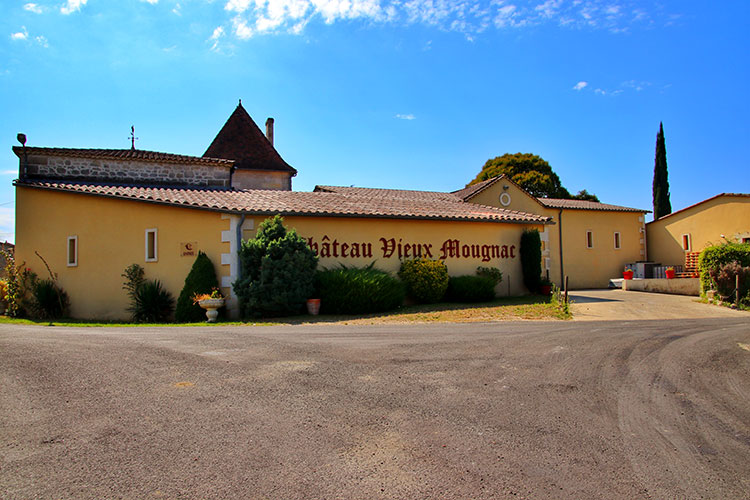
x,y
413,94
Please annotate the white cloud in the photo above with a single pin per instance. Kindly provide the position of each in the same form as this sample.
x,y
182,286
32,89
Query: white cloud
x,y
21,35
9,172
72,6
152,2
580,85
177,9
469,17
32,7
215,36
41,40
406,117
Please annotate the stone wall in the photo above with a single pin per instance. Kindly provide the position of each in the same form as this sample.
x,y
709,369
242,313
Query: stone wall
x,y
259,179
677,286
128,171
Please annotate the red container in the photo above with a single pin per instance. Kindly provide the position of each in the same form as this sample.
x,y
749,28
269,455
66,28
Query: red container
x,y
313,306
628,275
669,273
545,290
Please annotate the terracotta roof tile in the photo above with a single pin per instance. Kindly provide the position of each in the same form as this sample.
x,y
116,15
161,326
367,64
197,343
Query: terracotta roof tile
x,y
470,191
388,193
585,205
241,140
318,203
122,154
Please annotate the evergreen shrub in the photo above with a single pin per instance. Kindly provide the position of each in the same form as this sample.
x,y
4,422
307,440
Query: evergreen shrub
x,y
426,280
531,259
714,257
471,289
278,271
358,290
201,279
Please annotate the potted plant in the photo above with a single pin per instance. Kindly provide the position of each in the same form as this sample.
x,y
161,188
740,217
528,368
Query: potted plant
x,y
211,302
669,272
627,274
545,287
313,307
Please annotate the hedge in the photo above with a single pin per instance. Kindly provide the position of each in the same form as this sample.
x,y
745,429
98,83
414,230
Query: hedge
x,y
358,290
471,289
426,280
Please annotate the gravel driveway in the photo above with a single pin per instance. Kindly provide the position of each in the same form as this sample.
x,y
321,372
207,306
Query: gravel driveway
x,y
645,409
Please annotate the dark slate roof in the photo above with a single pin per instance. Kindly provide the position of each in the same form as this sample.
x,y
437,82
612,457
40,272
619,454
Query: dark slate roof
x,y
241,140
586,205
122,154
318,203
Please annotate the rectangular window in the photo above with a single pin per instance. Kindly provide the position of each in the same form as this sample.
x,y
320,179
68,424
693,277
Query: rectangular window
x,y
152,254
72,251
617,241
686,242
745,240
589,239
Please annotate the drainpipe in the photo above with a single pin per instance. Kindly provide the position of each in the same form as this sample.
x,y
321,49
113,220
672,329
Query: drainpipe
x,y
559,233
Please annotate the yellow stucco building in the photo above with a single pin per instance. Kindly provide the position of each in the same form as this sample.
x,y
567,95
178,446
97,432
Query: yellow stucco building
x,y
90,213
720,219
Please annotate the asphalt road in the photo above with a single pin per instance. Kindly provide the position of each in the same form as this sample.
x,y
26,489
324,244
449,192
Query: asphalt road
x,y
563,410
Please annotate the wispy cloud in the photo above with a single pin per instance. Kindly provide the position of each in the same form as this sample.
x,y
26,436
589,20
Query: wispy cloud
x,y
215,37
406,116
626,86
42,40
470,17
72,6
152,2
177,10
32,7
21,35
9,172
580,85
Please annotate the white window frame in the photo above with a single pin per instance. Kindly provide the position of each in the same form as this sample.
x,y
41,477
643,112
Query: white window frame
x,y
74,261
618,240
589,238
687,237
155,232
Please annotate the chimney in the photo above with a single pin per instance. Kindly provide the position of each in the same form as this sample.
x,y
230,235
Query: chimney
x,y
269,130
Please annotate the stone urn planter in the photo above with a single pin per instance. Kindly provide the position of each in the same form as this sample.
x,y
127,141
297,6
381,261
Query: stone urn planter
x,y
212,307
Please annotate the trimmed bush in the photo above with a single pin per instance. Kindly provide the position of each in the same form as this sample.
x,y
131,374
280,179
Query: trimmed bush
x,y
200,279
713,258
426,280
471,289
278,271
358,290
151,303
49,301
492,273
531,259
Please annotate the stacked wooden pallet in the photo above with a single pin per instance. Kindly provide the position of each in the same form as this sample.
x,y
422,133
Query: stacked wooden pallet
x,y
691,266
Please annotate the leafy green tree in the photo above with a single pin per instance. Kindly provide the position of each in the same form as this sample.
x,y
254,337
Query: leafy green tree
x,y
662,206
278,271
585,195
532,173
200,279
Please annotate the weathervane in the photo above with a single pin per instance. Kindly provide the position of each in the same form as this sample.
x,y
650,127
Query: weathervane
x,y
132,137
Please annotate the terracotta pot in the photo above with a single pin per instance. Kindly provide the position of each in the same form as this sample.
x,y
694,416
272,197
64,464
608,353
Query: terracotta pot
x,y
212,308
628,275
313,306
545,290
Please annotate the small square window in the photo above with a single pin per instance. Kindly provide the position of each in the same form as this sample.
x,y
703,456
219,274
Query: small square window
x,y
745,240
617,241
589,239
686,243
72,251
152,254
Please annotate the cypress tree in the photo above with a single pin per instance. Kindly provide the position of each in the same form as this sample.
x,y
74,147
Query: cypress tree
x,y
662,206
200,279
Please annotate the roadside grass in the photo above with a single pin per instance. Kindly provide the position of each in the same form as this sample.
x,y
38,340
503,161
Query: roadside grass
x,y
530,307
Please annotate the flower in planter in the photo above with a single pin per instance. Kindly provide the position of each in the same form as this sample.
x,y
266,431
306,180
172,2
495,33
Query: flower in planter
x,y
215,294
670,268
